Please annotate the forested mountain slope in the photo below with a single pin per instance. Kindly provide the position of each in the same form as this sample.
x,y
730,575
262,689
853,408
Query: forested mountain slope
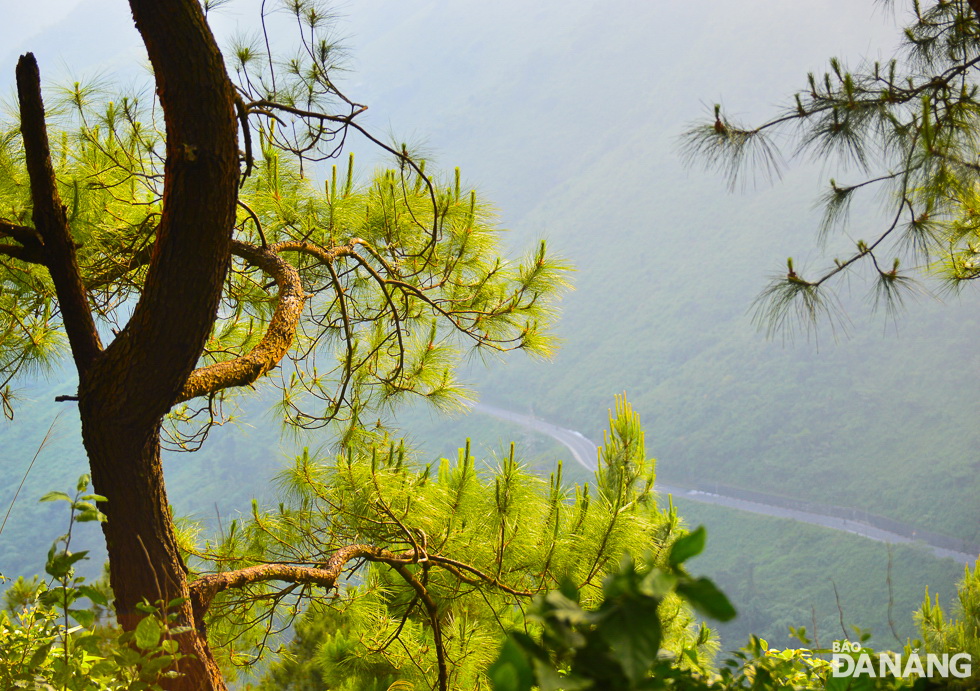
x,y
567,115
576,128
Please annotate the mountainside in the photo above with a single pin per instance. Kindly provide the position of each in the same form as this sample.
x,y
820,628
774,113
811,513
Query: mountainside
x,y
575,135
567,115
579,138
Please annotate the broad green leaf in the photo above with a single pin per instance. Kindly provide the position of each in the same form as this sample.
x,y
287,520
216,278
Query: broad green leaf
x,y
91,516
688,546
151,668
55,496
85,617
707,599
512,671
862,683
632,630
658,583
169,646
40,655
126,656
60,563
148,633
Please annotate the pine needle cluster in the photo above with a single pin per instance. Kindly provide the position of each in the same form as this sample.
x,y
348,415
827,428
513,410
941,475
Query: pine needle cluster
x,y
907,129
485,537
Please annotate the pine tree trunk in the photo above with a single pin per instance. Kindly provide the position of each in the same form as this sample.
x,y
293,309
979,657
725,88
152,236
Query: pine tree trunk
x,y
128,388
144,564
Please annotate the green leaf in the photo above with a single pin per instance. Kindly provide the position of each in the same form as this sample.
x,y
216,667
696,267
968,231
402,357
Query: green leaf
x,y
707,599
91,515
83,481
93,594
151,668
104,668
688,546
84,617
861,683
512,670
169,646
632,630
148,633
90,643
57,597
658,583
568,588
55,496
60,563
40,655
555,605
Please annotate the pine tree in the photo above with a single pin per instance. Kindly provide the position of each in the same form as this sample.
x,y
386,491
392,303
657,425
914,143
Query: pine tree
x,y
178,269
959,633
492,537
909,128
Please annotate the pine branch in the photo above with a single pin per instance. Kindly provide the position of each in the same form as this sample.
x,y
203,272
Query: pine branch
x,y
205,588
275,343
51,221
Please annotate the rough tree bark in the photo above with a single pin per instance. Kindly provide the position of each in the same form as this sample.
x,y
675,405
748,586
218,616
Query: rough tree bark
x,y
124,395
127,388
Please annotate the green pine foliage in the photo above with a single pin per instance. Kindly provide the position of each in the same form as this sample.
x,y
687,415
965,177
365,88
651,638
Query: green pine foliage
x,y
491,536
904,129
958,632
401,270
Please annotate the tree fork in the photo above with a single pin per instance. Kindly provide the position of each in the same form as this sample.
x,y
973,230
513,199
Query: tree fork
x,y
134,382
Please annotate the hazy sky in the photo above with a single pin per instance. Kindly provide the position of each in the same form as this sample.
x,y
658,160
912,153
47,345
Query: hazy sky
x,y
72,39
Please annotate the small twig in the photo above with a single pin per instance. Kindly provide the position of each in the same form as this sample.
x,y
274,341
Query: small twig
x,y
247,137
840,611
433,610
891,596
256,221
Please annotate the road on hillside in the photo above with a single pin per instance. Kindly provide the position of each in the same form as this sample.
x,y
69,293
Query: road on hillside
x,y
586,453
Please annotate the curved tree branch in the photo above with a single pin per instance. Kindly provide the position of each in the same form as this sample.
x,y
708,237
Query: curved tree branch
x,y
204,589
278,337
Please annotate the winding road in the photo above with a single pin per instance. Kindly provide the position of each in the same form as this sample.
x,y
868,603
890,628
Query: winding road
x,y
585,452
